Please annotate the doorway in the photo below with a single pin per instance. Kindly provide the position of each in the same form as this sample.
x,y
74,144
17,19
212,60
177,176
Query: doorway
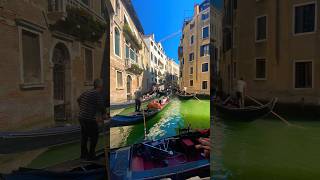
x,y
61,83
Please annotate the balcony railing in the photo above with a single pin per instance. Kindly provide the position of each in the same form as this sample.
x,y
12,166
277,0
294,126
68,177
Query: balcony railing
x,y
129,62
60,6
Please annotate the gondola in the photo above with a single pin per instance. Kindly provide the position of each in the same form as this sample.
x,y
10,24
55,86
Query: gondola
x,y
248,113
78,170
174,157
135,117
186,96
14,142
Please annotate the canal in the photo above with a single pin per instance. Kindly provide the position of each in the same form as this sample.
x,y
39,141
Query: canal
x,y
267,149
178,114
43,158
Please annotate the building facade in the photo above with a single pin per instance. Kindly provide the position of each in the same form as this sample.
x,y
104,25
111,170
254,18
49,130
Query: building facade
x,y
274,48
45,67
172,73
194,50
127,53
158,60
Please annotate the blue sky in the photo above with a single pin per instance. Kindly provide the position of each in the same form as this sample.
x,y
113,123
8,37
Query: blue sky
x,y
163,18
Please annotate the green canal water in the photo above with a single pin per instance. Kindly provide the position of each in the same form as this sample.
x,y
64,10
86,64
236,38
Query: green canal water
x,y
178,114
267,149
43,158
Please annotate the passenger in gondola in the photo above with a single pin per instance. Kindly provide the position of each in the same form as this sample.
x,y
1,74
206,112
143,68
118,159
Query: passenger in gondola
x,y
241,91
153,105
92,112
205,146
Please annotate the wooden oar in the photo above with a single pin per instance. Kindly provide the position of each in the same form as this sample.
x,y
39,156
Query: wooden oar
x,y
145,126
275,114
195,96
225,101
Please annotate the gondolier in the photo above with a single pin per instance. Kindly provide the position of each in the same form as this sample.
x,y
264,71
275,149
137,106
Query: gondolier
x,y
138,99
241,91
92,111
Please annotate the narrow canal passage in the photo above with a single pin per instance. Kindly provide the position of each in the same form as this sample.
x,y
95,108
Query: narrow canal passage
x,y
267,149
178,114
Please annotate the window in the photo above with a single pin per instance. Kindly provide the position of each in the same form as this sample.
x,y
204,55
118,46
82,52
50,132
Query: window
x,y
205,16
119,79
127,52
191,70
261,28
303,74
204,84
191,26
31,57
191,56
260,69
88,58
191,83
205,67
304,18
117,42
204,50
191,40
132,55
205,32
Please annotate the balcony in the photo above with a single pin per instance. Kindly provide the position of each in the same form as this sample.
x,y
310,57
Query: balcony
x,y
133,67
57,9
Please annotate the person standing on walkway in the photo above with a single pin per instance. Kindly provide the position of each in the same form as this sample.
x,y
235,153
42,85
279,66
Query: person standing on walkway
x,y
241,91
138,99
92,112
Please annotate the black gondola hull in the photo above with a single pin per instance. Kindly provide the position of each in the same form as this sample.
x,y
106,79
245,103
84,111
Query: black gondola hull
x,y
244,114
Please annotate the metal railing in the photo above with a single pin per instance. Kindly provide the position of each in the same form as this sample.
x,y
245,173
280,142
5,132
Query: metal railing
x,y
61,6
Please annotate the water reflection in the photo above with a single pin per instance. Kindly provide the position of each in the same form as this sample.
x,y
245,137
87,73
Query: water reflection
x,y
168,124
267,149
178,114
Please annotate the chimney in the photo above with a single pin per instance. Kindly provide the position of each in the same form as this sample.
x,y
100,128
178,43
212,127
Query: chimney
x,y
196,9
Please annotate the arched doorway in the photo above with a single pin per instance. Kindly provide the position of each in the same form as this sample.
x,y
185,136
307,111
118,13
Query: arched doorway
x,y
129,87
61,82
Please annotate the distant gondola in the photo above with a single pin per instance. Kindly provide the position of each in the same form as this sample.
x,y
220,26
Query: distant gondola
x,y
244,114
186,96
78,169
135,117
174,157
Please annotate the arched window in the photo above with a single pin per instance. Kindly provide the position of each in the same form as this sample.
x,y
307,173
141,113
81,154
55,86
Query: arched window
x,y
116,41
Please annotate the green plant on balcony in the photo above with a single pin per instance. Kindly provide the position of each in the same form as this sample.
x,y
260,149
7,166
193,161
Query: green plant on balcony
x,y
135,69
130,36
80,24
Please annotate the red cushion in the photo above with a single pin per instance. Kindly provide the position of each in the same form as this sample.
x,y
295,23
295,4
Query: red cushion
x,y
187,142
137,164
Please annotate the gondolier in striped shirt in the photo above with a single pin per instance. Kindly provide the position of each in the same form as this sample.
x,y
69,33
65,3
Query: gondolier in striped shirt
x,y
92,111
